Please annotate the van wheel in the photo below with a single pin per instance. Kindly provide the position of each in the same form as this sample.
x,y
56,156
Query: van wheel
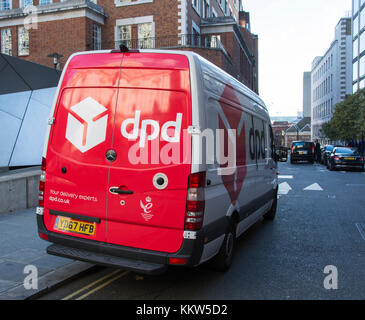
x,y
270,215
223,260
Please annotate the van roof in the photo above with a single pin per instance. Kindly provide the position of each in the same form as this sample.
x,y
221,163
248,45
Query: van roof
x,y
192,55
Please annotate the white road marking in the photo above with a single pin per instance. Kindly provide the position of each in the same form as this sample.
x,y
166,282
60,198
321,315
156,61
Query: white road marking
x,y
313,187
361,228
285,177
284,188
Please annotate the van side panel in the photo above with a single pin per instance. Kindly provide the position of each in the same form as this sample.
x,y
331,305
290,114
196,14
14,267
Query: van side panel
x,y
245,186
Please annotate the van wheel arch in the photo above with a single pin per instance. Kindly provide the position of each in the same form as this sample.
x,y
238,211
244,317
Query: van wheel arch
x,y
270,215
223,260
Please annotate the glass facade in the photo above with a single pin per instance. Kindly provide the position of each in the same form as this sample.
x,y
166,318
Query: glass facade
x,y
358,36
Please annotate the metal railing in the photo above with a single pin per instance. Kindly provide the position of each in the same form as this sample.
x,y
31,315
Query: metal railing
x,y
185,40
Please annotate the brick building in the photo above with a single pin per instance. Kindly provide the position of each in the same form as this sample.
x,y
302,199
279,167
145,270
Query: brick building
x,y
300,131
219,30
279,130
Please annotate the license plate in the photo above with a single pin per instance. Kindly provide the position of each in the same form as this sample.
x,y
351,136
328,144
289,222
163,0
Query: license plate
x,y
349,158
70,225
302,152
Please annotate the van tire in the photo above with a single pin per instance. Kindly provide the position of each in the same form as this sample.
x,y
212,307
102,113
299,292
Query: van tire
x,y
270,215
223,260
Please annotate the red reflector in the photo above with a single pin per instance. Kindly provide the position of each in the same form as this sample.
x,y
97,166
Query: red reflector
x,y
178,261
193,226
43,236
195,206
197,180
43,166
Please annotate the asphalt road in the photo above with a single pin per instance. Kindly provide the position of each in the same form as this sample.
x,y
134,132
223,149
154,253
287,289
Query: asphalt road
x,y
284,259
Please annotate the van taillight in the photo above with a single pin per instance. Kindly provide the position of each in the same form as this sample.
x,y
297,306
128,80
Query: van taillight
x,y
195,202
42,184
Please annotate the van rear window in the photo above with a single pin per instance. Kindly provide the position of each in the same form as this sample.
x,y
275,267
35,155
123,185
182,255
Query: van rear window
x,y
302,145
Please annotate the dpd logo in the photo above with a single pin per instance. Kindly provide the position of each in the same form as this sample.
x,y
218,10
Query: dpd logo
x,y
86,124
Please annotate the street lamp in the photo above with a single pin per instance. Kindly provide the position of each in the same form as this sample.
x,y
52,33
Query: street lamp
x,y
56,58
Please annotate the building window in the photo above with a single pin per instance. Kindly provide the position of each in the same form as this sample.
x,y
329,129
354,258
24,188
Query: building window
x,y
206,8
356,26
6,42
97,37
356,6
196,5
125,35
355,48
213,41
145,36
214,13
195,41
23,41
41,2
5,4
26,3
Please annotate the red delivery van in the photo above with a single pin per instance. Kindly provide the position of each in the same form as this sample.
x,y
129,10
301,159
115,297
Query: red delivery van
x,y
153,158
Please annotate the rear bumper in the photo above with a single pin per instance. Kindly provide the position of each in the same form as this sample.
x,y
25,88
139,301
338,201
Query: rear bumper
x,y
106,259
134,259
302,157
348,165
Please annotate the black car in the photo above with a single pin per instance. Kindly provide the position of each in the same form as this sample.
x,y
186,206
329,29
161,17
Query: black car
x,y
302,151
342,157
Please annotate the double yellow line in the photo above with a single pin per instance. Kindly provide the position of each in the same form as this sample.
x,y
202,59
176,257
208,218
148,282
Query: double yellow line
x,y
109,278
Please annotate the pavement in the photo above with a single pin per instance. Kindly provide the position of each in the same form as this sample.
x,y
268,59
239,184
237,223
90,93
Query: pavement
x,y
21,249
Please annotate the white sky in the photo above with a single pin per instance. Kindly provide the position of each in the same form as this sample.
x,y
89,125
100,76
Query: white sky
x,y
291,34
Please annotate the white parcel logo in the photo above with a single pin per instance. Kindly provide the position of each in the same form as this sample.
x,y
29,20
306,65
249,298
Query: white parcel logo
x,y
89,129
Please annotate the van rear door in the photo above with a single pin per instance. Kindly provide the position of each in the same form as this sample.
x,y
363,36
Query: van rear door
x,y
77,169
147,184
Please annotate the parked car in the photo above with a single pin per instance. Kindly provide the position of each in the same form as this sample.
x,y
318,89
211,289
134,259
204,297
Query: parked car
x,y
343,157
100,198
302,151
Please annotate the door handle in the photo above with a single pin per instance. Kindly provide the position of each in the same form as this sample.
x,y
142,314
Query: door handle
x,y
118,190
